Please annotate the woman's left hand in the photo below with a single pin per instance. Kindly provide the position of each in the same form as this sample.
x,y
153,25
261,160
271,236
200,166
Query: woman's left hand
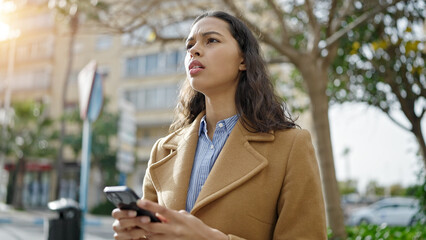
x,y
175,224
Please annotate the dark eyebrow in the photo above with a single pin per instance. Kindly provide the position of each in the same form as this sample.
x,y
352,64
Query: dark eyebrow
x,y
204,34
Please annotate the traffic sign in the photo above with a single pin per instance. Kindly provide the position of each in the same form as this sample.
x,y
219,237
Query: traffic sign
x,y
86,78
126,137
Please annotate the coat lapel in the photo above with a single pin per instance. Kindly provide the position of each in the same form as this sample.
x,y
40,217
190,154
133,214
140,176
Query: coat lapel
x,y
171,174
238,162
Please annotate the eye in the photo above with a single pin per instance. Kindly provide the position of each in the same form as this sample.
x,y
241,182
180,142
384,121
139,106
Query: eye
x,y
189,46
212,40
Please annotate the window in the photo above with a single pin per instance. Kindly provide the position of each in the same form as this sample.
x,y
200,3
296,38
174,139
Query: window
x,y
172,60
103,42
132,67
35,79
154,64
151,66
153,98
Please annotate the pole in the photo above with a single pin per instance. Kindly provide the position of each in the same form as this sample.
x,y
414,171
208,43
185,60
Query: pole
x,y
6,107
122,179
84,175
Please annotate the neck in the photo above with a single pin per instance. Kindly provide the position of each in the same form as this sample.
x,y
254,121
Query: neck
x,y
217,110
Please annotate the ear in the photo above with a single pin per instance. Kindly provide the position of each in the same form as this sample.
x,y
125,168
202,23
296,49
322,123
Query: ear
x,y
242,66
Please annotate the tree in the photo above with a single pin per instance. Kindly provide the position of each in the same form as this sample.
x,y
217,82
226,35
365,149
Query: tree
x,y
304,33
103,152
374,189
30,137
382,64
69,12
348,187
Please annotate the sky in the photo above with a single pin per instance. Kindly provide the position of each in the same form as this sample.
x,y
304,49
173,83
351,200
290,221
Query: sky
x,y
378,149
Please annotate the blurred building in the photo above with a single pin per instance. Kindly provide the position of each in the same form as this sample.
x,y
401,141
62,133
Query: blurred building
x,y
27,70
145,74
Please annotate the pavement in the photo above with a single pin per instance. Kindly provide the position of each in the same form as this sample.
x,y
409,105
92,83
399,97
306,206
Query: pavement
x,y
8,215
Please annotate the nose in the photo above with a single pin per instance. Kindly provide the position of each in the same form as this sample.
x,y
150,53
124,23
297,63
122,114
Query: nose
x,y
194,51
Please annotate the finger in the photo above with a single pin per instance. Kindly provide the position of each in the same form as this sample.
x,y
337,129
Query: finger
x,y
153,236
161,217
156,208
123,225
119,214
135,233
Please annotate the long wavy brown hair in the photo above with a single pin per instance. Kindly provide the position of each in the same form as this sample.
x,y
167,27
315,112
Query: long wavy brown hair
x,y
259,108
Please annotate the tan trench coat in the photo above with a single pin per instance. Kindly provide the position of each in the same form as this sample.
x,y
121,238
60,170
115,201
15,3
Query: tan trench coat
x,y
262,186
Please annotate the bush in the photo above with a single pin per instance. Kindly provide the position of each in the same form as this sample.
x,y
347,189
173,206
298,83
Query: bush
x,y
382,232
103,208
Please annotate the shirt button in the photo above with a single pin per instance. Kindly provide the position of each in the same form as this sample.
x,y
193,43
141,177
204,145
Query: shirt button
x,y
211,146
220,125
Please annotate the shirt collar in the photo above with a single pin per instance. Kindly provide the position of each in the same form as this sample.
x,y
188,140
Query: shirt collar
x,y
203,126
229,124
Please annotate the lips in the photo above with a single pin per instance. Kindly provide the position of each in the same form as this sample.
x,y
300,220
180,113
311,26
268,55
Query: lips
x,y
195,67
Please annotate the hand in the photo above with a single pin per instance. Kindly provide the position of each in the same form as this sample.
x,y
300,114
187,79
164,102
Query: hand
x,y
177,225
127,225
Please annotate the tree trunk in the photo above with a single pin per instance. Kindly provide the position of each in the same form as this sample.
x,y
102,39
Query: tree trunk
x,y
60,158
316,79
19,184
417,131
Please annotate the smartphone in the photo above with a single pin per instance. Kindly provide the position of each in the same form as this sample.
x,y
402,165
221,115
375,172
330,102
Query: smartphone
x,y
125,198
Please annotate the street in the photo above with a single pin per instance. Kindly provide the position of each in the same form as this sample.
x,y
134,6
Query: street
x,y
15,225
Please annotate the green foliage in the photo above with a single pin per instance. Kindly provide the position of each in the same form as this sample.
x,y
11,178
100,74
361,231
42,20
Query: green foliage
x,y
384,232
103,153
293,92
375,189
419,192
103,208
92,9
347,187
30,134
397,190
381,63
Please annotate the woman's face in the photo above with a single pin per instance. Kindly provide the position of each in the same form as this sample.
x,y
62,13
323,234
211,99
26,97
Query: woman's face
x,y
213,59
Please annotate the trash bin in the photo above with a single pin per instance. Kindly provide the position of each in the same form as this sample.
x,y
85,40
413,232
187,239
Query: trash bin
x,y
67,225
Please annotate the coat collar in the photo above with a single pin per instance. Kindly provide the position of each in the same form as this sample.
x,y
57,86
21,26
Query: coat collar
x,y
237,163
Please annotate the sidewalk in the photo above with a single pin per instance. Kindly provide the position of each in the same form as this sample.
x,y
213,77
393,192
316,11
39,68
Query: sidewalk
x,y
9,215
33,224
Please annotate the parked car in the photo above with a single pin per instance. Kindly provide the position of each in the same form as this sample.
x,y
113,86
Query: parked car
x,y
396,211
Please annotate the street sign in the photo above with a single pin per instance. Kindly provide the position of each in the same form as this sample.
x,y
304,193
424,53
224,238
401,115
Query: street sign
x,y
126,137
86,79
91,99
96,99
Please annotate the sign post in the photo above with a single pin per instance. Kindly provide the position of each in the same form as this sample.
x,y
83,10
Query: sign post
x,y
91,99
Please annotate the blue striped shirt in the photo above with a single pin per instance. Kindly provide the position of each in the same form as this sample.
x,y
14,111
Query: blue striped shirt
x,y
206,154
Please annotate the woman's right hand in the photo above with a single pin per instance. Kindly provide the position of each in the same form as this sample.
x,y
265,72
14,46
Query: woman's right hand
x,y
127,225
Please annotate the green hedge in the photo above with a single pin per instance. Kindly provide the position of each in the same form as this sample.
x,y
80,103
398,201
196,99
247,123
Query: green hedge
x,y
382,232
103,208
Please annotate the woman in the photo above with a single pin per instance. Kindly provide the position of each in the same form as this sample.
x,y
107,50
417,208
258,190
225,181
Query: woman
x,y
235,161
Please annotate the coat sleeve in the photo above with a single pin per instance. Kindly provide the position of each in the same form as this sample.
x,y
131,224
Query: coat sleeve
x,y
148,189
301,212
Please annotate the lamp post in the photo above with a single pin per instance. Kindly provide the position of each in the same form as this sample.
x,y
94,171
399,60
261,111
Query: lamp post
x,y
6,106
